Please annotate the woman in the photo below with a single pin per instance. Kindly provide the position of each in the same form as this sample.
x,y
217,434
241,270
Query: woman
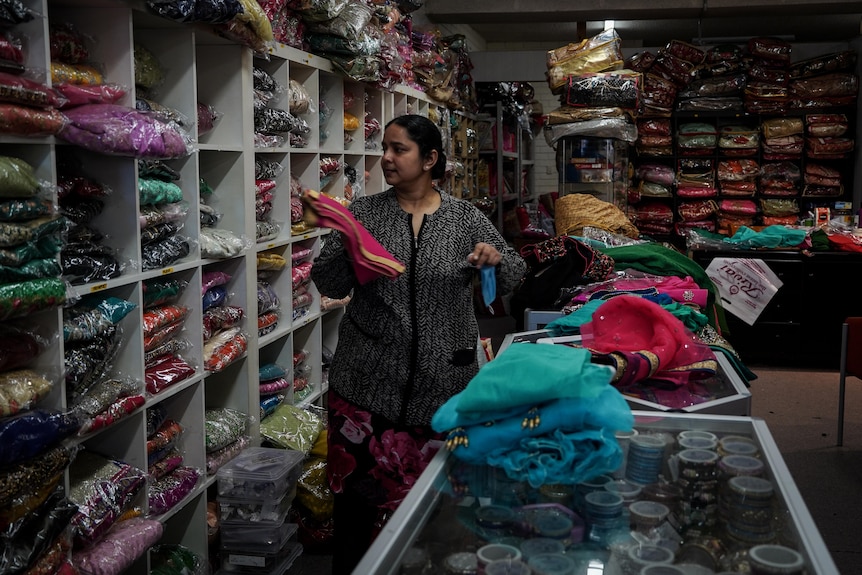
x,y
406,344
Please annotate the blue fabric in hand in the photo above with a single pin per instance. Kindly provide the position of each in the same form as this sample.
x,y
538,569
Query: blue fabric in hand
x,y
488,276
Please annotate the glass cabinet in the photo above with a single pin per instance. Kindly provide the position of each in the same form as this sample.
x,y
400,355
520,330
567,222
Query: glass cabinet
x,y
720,499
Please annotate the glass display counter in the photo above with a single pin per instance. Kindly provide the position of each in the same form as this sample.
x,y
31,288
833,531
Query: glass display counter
x,y
723,393
719,499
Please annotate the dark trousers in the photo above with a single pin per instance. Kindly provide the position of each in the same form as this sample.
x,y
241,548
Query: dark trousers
x,y
354,521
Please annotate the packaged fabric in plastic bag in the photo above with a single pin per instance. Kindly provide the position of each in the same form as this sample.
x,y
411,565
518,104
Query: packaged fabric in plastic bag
x,y
85,362
222,427
208,117
68,44
319,10
26,92
77,74
24,298
103,489
78,95
844,61
120,548
205,11
117,410
106,391
619,128
255,18
19,345
619,88
363,68
224,348
27,121
16,233
149,72
32,432
92,317
118,130
220,318
22,389
168,371
601,53
165,252
292,427
54,558
829,86
214,297
312,489
25,541
348,24
168,491
219,457
172,559
17,178
22,480
218,243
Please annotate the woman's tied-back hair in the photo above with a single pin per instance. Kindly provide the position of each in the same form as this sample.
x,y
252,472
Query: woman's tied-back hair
x,y
427,136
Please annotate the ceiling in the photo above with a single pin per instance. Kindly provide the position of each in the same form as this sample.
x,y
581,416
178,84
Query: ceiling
x,y
550,23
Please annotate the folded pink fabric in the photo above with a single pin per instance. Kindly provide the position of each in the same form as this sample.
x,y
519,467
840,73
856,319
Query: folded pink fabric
x,y
681,289
634,328
369,258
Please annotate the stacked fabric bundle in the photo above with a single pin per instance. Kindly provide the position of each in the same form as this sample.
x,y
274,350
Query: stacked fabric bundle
x,y
269,266
171,479
91,336
163,321
302,287
224,339
85,257
150,130
34,511
598,96
29,241
558,429
797,151
225,436
104,490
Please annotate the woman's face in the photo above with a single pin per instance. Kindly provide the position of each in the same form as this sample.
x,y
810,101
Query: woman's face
x,y
402,163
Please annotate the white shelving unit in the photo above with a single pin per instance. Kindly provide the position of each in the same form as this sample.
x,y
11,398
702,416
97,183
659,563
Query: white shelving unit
x,y
202,67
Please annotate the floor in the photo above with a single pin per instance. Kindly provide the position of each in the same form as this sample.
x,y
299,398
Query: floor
x,y
800,409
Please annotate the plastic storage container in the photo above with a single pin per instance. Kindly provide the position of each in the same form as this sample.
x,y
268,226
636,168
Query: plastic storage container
x,y
255,548
256,510
260,473
288,555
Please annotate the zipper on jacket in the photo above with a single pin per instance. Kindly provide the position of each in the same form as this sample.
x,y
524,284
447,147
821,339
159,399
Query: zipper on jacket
x,y
414,321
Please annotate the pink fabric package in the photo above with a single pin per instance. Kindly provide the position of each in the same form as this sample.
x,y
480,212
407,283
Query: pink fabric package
x,y
121,131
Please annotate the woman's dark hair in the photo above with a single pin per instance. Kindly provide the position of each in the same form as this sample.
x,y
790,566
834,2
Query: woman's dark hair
x,y
427,136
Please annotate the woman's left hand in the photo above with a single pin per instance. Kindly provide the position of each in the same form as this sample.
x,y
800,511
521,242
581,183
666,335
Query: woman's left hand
x,y
484,255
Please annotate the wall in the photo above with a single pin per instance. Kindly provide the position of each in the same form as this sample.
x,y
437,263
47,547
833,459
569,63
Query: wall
x,y
545,168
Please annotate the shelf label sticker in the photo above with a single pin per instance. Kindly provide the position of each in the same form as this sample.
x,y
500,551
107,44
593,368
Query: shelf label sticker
x,y
270,246
745,286
166,271
98,287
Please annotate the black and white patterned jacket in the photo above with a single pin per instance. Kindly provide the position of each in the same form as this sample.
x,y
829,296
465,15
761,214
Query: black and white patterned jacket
x,y
405,345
